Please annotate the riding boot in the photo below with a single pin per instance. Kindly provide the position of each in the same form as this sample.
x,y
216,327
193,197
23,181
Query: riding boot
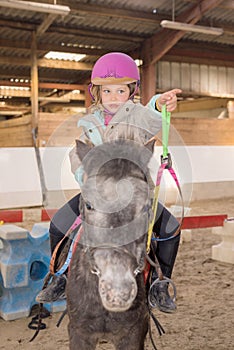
x,y
59,225
54,291
166,252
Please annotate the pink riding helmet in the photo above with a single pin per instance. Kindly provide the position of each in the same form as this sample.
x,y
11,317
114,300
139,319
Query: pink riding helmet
x,y
115,68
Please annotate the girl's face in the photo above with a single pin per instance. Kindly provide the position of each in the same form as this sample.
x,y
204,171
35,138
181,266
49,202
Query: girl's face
x,y
113,96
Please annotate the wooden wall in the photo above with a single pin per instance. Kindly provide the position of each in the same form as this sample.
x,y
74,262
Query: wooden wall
x,y
16,132
59,129
200,79
200,131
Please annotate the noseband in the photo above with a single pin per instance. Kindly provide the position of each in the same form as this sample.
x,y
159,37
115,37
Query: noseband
x,y
89,251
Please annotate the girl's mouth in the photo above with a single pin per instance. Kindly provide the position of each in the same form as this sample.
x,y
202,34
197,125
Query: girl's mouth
x,y
113,105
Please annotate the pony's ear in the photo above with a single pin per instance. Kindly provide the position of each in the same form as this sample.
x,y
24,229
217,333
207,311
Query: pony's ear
x,y
150,144
82,148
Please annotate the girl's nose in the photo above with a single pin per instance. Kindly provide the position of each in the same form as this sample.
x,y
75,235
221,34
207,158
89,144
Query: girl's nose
x,y
113,97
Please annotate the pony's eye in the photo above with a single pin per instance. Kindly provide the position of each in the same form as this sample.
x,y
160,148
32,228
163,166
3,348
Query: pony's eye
x,y
89,206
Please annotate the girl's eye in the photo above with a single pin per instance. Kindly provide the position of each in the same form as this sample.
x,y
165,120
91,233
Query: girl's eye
x,y
106,91
125,92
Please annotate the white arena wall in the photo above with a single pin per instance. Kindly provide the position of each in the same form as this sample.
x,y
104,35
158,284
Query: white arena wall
x,y
204,172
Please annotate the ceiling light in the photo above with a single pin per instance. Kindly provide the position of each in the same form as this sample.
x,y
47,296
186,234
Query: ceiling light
x,y
66,56
187,27
139,62
36,6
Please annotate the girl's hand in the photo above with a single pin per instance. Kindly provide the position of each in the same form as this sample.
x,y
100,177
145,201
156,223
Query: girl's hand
x,y
169,98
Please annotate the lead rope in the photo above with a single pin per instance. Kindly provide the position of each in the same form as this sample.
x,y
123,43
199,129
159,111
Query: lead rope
x,y
36,322
61,269
166,163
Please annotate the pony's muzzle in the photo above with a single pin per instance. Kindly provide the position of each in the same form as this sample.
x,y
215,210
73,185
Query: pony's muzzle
x,y
117,295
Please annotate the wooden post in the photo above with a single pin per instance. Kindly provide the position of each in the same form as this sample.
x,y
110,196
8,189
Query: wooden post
x,y
88,99
34,88
148,82
34,106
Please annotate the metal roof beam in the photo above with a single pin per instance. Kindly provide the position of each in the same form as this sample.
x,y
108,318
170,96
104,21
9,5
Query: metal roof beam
x,y
112,12
44,47
42,28
46,63
45,75
159,44
70,31
49,86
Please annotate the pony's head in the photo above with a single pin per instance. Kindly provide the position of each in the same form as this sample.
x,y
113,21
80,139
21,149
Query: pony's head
x,y
116,206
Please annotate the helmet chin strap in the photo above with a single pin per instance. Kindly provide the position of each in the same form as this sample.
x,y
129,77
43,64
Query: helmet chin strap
x,y
89,88
135,90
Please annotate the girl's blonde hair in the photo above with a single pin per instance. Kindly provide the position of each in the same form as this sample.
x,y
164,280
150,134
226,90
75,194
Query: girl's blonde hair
x,y
96,93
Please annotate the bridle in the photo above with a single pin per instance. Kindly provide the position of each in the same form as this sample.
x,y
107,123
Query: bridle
x,y
89,251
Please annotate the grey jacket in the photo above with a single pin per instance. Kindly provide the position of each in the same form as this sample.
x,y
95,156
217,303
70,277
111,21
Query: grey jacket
x,y
132,121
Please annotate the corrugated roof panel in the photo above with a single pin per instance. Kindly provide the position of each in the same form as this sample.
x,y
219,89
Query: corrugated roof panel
x,y
121,25
22,15
128,4
217,14
96,34
14,34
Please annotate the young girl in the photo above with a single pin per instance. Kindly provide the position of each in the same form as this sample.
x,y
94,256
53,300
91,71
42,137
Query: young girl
x,y
115,80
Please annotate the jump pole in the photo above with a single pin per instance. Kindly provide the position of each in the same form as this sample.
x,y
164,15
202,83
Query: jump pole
x,y
222,252
204,221
189,222
11,216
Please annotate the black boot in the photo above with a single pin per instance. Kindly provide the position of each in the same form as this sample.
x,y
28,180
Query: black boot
x,y
54,291
166,252
160,297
